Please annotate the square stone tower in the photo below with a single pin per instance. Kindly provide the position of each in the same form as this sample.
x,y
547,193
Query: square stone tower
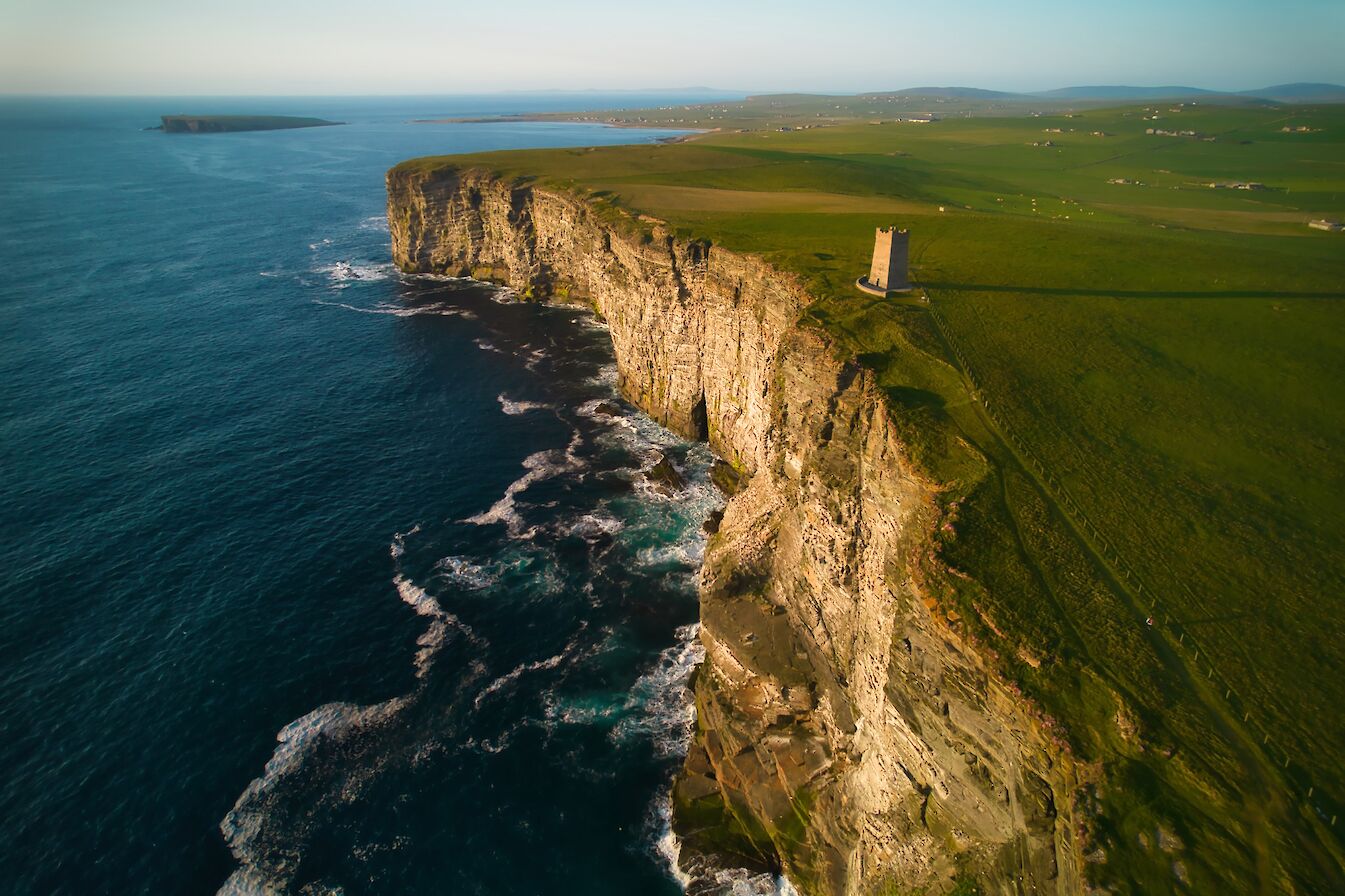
x,y
890,249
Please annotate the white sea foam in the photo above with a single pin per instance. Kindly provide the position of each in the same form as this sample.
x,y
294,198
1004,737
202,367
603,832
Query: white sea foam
x,y
593,525
741,882
441,278
398,546
515,408
522,669
593,409
591,322
721,881
342,272
432,639
607,375
585,711
487,346
441,622
246,882
243,825
424,604
666,715
397,310
540,465
686,552
666,843
464,573
377,222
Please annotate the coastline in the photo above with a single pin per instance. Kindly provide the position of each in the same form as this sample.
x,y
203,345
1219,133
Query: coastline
x,y
687,135
820,749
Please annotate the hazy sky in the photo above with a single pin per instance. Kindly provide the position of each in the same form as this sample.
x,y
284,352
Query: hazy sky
x,y
450,46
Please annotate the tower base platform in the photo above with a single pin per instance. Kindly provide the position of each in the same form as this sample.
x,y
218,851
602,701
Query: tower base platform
x,y
864,284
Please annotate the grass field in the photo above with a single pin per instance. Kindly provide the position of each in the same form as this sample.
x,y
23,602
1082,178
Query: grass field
x,y
1154,370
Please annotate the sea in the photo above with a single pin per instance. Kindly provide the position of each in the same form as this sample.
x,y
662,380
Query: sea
x,y
316,578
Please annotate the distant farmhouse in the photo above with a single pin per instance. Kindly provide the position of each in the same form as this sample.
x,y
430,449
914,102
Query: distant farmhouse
x,y
1160,132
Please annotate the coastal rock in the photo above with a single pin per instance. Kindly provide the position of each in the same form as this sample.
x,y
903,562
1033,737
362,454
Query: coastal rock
x,y
847,733
664,476
725,478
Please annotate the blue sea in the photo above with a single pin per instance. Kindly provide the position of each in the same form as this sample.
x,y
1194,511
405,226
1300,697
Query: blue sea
x,y
316,578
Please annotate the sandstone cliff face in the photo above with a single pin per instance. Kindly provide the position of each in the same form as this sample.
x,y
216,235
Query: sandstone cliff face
x,y
846,733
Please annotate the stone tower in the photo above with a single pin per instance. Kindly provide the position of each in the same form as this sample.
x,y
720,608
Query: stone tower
x,y
890,249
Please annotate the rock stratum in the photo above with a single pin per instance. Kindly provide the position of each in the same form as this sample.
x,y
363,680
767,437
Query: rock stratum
x,y
847,733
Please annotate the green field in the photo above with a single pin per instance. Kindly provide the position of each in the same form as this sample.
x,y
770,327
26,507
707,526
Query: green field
x,y
1154,372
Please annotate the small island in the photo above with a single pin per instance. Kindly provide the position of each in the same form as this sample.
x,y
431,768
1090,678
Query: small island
x,y
222,124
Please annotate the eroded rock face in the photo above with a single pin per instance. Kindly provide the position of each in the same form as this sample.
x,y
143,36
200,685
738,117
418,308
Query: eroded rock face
x,y
846,733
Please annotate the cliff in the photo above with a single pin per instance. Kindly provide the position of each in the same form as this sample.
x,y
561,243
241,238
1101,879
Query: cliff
x,y
847,731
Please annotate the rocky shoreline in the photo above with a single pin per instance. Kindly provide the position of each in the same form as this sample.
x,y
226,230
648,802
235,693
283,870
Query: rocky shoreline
x,y
847,733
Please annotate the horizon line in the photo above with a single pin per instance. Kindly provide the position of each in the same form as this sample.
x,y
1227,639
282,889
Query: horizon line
x,y
703,89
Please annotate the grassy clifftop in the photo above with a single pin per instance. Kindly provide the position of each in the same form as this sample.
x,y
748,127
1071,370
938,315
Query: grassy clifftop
x,y
1153,365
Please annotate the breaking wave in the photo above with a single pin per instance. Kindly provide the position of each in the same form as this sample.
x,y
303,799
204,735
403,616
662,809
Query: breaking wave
x,y
244,827
668,719
657,538
513,675
341,273
664,714
515,408
590,526
465,573
540,465
398,310
262,868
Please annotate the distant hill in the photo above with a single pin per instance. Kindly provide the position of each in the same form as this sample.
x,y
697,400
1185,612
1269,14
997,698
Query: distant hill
x,y
1281,93
971,93
1117,92
1300,93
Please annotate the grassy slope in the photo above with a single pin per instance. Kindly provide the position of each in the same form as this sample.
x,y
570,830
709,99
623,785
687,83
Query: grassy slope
x,y
1162,364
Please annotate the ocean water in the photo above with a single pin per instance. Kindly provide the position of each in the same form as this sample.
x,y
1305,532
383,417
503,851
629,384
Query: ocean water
x,y
315,578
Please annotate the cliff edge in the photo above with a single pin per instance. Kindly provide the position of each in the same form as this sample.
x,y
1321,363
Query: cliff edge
x,y
848,732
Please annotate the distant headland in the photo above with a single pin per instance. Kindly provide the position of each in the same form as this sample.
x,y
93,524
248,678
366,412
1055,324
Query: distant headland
x,y
221,124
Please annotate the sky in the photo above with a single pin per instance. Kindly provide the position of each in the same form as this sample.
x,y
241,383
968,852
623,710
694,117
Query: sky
x,y
343,47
